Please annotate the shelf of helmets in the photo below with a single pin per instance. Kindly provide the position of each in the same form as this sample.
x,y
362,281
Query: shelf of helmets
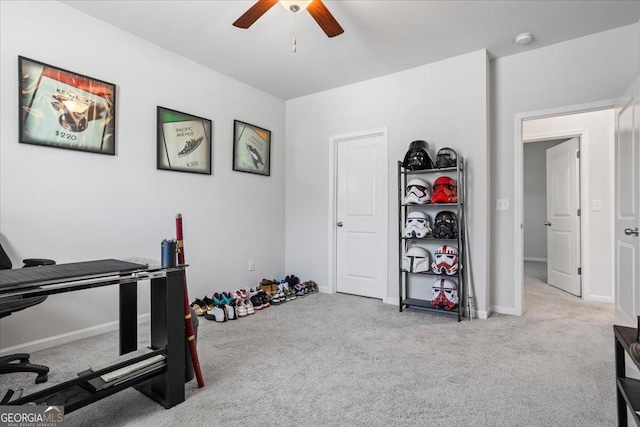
x,y
416,289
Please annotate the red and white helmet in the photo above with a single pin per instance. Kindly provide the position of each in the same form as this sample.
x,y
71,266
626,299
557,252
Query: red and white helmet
x,y
416,260
444,294
418,192
445,190
446,260
418,225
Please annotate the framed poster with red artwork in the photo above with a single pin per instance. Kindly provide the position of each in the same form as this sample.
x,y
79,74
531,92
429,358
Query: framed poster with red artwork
x,y
63,109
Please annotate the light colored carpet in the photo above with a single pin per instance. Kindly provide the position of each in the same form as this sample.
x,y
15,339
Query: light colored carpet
x,y
535,271
339,360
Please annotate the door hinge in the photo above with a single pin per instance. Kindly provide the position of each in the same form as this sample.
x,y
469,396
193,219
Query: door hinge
x,y
578,212
579,270
577,154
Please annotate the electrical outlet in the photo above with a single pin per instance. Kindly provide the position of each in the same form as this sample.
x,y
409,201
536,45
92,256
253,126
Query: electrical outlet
x,y
502,204
252,265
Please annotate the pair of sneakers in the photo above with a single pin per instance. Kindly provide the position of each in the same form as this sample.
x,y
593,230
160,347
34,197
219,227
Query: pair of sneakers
x,y
277,298
287,293
306,288
269,286
311,286
292,281
225,308
218,313
259,298
244,307
200,307
300,290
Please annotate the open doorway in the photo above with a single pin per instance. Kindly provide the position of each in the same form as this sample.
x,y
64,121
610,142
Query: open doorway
x,y
552,238
535,208
593,126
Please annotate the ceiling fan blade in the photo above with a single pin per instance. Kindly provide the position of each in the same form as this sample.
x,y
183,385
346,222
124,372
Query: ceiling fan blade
x,y
324,18
254,12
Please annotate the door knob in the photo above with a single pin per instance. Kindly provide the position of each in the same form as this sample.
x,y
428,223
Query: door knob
x,y
339,224
547,223
629,231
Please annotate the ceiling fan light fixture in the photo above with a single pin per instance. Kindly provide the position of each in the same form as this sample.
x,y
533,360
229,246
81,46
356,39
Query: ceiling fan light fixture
x,y
295,5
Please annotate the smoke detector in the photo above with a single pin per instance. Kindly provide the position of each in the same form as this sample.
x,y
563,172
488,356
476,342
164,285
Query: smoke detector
x,y
523,38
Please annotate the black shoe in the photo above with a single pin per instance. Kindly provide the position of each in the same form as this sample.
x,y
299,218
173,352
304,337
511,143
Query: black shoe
x,y
209,302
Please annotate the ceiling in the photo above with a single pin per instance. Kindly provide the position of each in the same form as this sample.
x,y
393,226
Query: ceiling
x,y
381,37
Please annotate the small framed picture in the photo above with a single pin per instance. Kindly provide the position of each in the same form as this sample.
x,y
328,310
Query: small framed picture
x,y
63,109
251,149
184,142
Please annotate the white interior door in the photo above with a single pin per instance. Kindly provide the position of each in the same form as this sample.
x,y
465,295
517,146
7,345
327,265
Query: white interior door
x,y
361,208
563,219
627,221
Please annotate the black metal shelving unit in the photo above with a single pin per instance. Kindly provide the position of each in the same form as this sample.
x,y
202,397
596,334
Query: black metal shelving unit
x,y
627,389
429,242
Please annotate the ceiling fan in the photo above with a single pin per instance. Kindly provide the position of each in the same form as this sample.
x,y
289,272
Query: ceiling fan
x,y
316,8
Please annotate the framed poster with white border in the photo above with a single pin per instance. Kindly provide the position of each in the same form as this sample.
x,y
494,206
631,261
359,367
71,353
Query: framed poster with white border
x,y
184,142
63,109
251,149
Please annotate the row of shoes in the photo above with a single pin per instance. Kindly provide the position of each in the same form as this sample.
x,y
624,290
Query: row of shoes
x,y
233,305
286,289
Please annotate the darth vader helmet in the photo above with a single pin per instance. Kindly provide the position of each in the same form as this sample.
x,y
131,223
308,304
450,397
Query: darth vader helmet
x,y
418,157
416,260
418,225
446,158
444,294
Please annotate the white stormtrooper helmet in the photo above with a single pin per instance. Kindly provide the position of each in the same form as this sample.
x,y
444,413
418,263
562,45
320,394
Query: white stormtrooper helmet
x,y
418,225
418,192
444,294
416,260
446,260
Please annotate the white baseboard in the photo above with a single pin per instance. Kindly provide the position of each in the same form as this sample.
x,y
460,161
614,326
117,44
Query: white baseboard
x,y
482,315
599,298
324,289
42,344
391,301
503,310
535,259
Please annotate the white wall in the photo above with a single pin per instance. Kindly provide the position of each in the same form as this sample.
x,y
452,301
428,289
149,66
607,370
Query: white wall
x,y
596,147
444,103
76,206
535,199
588,69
